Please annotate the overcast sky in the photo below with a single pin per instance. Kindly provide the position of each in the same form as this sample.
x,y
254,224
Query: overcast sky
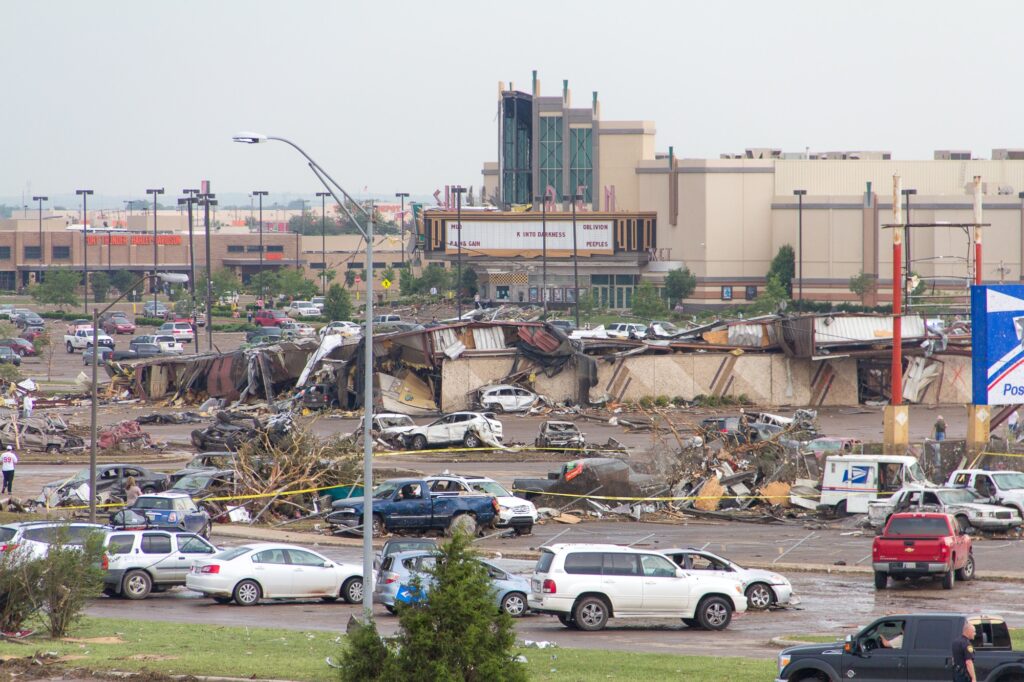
x,y
401,96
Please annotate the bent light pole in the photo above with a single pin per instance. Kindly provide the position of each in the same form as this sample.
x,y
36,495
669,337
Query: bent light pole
x,y
328,182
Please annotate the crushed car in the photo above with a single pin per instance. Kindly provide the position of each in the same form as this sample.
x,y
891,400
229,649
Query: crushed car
x,y
46,434
969,509
562,435
471,429
232,429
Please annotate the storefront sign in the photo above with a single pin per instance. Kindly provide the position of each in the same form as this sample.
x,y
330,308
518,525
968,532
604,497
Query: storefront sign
x,y
134,240
497,237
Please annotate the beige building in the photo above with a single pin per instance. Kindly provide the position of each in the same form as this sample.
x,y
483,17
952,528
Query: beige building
x,y
726,218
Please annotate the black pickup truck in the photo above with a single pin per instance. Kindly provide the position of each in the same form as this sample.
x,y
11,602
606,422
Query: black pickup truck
x,y
907,647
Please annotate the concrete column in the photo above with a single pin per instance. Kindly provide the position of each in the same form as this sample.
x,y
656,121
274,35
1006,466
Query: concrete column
x,y
978,417
895,429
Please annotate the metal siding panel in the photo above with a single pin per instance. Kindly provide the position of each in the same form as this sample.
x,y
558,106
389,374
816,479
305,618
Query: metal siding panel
x,y
858,329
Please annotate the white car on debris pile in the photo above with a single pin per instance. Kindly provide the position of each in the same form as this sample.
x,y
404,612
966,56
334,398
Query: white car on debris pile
x,y
471,429
505,398
763,589
251,573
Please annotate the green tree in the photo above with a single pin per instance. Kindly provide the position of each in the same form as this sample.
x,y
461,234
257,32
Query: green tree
x,y
862,284
769,300
455,634
337,303
350,278
223,282
407,284
291,282
122,280
783,268
647,303
388,273
680,284
586,304
468,286
100,286
59,288
434,276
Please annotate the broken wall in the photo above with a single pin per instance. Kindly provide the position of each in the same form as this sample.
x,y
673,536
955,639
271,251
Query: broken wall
x,y
954,384
765,379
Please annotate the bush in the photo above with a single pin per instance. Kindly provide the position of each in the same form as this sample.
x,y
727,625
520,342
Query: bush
x,y
661,401
149,321
457,634
646,402
9,372
19,576
235,327
72,577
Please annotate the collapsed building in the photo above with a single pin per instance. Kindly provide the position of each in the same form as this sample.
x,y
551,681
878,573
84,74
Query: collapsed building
x,y
815,360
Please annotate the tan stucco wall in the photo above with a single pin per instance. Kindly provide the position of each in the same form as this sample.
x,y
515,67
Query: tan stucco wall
x,y
619,155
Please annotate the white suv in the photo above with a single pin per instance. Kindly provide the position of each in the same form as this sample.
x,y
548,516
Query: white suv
x,y
472,429
626,330
137,562
35,537
513,512
585,585
181,331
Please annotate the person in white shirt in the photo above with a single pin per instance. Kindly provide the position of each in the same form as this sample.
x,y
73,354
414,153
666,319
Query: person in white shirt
x,y
27,404
7,463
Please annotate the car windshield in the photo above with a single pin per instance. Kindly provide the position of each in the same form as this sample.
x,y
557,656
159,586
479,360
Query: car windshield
x,y
959,496
233,553
915,474
192,483
6,534
489,488
384,490
82,475
159,503
1009,481
397,420
826,445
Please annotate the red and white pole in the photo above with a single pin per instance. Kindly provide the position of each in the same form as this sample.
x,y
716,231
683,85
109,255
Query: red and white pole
x,y
977,230
896,370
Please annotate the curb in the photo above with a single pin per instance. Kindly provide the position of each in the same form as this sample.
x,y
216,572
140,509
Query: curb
x,y
783,642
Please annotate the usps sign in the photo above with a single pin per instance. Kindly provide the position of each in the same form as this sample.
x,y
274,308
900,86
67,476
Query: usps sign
x,y
997,319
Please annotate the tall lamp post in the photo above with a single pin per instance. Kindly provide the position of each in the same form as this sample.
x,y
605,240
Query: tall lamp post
x,y
324,177
402,196
323,240
206,200
907,193
544,250
40,199
800,193
261,193
298,235
575,260
458,190
156,289
84,193
190,200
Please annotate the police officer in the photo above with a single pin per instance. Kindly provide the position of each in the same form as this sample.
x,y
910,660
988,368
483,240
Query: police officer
x,y
963,655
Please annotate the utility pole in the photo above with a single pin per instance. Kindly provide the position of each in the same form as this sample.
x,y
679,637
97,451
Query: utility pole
x,y
156,288
260,194
323,240
84,193
206,200
458,276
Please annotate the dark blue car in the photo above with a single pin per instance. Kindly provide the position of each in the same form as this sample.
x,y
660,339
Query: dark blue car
x,y
170,511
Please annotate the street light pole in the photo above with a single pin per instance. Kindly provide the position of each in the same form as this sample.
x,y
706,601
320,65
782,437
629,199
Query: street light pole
x,y
207,199
402,196
906,249
156,289
544,250
575,261
324,177
458,275
84,193
800,193
298,235
261,194
323,241
40,199
191,199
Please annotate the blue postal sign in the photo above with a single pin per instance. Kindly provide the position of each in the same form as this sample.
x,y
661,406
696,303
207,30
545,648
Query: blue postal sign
x,y
997,366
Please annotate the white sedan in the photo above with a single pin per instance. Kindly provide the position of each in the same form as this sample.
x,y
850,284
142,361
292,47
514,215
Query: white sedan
x,y
471,429
343,327
253,572
763,589
505,398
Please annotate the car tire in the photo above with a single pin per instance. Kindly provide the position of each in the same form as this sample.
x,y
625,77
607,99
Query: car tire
x,y
471,440
463,523
419,442
71,349
498,407
948,579
967,572
714,613
566,620
881,580
759,597
223,600
514,604
110,592
590,614
136,585
205,532
390,608
247,593
841,512
378,528
691,623
352,590
523,530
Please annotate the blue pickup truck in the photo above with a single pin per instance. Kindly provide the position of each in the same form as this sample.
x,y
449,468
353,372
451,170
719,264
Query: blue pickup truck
x,y
408,505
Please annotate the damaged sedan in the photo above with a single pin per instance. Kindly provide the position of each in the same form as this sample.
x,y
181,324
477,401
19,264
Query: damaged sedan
x,y
471,429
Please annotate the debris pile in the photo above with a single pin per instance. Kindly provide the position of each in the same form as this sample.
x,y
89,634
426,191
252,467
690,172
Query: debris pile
x,y
232,430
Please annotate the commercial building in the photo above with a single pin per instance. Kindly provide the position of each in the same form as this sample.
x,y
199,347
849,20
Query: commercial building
x,y
726,218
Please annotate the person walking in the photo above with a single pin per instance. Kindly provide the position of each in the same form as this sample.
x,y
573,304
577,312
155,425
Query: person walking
x,y
132,491
7,463
27,403
940,428
963,655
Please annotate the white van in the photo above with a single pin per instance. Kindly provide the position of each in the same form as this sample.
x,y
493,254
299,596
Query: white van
x,y
849,482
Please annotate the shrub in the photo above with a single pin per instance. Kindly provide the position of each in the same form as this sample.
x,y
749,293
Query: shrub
x,y
646,402
19,576
661,401
149,321
71,578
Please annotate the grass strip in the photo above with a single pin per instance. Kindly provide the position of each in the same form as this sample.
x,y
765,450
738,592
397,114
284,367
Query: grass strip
x,y
104,644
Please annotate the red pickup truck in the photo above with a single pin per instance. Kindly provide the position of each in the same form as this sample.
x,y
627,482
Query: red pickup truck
x,y
916,545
